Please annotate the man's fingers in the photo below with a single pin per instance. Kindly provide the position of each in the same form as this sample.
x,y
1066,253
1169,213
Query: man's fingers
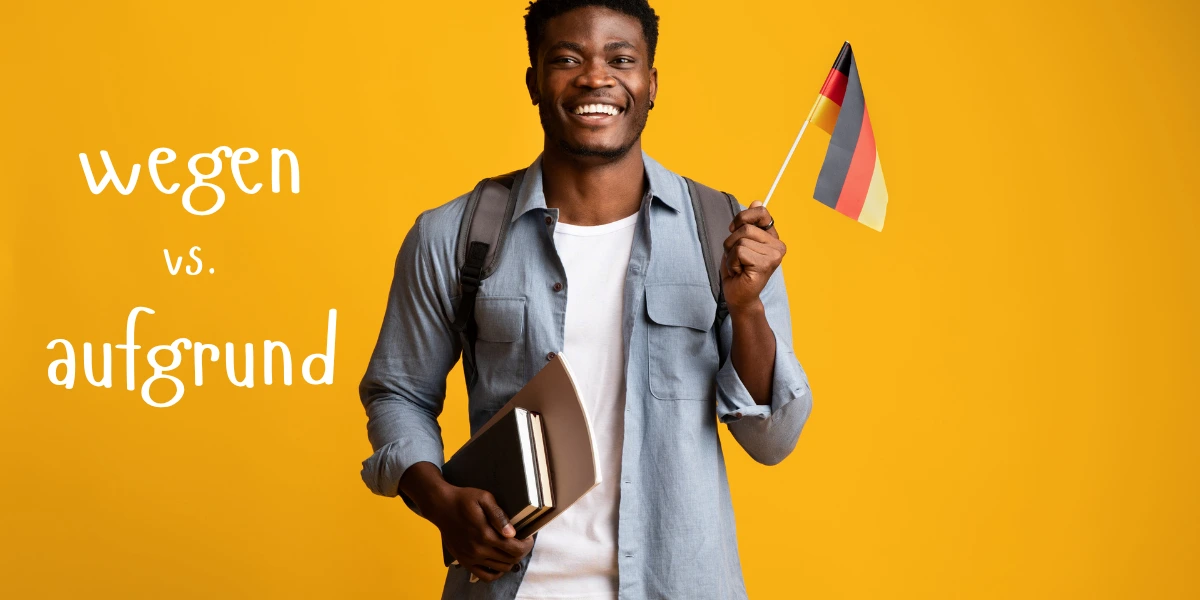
x,y
505,548
749,254
500,566
485,550
496,517
485,561
756,214
749,257
762,252
757,247
747,231
734,264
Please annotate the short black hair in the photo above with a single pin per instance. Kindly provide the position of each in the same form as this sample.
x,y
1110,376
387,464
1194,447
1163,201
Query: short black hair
x,y
541,11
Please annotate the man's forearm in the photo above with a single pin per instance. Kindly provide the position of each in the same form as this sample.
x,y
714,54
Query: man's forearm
x,y
423,483
753,351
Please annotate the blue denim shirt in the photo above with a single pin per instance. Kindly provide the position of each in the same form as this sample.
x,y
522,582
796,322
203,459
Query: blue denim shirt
x,y
676,536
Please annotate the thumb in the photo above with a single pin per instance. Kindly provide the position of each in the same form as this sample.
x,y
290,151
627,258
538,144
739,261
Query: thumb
x,y
496,516
755,203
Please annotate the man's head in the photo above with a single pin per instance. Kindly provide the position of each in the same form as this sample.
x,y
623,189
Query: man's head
x,y
592,74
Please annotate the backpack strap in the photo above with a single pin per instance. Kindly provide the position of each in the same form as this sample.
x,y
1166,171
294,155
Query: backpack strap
x,y
481,238
713,211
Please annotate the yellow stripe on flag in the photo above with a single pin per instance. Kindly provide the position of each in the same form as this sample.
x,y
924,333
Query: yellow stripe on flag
x,y
875,204
824,113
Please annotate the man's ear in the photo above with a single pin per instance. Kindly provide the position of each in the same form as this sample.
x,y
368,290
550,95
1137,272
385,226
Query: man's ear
x,y
653,83
531,85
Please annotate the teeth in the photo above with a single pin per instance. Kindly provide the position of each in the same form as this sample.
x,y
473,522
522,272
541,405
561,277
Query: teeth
x,y
597,108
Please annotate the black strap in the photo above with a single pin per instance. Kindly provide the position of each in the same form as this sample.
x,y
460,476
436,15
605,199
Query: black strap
x,y
713,210
469,279
481,238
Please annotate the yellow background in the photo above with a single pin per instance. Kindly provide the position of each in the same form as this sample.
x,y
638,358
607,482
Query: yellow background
x,y
1004,379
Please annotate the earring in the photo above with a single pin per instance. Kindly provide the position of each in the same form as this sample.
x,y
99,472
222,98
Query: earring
x,y
651,105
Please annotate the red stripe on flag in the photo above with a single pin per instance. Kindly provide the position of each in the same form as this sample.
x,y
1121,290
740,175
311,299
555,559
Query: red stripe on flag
x,y
862,169
835,86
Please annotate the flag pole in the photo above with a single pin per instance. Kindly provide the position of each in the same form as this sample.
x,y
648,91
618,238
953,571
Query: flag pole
x,y
787,160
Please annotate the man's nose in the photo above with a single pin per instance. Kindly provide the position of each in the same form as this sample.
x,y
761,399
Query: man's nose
x,y
595,75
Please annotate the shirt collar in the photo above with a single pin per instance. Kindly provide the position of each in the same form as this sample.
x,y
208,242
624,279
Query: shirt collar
x,y
665,186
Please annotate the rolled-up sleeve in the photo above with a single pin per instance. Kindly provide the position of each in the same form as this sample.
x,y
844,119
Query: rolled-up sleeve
x,y
404,387
768,432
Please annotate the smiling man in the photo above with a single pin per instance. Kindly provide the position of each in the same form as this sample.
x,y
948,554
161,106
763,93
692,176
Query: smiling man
x,y
603,262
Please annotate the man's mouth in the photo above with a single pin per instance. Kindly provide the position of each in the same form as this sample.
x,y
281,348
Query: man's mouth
x,y
598,111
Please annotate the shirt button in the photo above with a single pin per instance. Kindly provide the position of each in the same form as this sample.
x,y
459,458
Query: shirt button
x,y
516,568
550,356
549,220
557,286
737,415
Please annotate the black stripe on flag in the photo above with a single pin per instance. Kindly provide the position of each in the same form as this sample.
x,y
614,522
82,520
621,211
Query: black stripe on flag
x,y
843,60
843,141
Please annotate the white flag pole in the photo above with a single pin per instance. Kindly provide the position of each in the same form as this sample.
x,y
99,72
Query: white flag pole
x,y
786,160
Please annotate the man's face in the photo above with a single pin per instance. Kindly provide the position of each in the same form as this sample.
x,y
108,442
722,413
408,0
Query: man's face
x,y
593,83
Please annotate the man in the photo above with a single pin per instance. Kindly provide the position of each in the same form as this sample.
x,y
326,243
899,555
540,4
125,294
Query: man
x,y
603,264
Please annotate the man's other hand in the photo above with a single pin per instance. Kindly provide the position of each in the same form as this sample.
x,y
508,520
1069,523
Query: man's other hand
x,y
476,531
474,528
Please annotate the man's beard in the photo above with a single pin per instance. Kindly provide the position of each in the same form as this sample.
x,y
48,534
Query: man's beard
x,y
639,124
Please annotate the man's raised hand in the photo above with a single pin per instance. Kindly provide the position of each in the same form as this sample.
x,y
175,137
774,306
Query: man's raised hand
x,y
753,251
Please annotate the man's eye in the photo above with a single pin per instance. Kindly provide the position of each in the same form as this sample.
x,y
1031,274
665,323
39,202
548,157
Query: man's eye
x,y
563,60
623,60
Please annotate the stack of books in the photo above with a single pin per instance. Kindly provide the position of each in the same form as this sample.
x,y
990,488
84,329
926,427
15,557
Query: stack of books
x,y
536,454
510,459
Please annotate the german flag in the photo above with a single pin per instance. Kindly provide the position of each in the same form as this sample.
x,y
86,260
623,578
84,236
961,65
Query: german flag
x,y
851,181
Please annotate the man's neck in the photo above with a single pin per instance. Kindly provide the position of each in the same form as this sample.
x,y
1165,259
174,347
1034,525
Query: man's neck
x,y
593,193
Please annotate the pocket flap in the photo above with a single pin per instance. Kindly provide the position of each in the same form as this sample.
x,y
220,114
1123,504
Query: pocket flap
x,y
500,319
681,305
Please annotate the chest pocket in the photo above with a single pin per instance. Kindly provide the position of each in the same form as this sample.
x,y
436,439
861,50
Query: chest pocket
x,y
500,343
683,349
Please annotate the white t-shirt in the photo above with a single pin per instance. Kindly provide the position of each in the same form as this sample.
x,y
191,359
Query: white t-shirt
x,y
576,554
